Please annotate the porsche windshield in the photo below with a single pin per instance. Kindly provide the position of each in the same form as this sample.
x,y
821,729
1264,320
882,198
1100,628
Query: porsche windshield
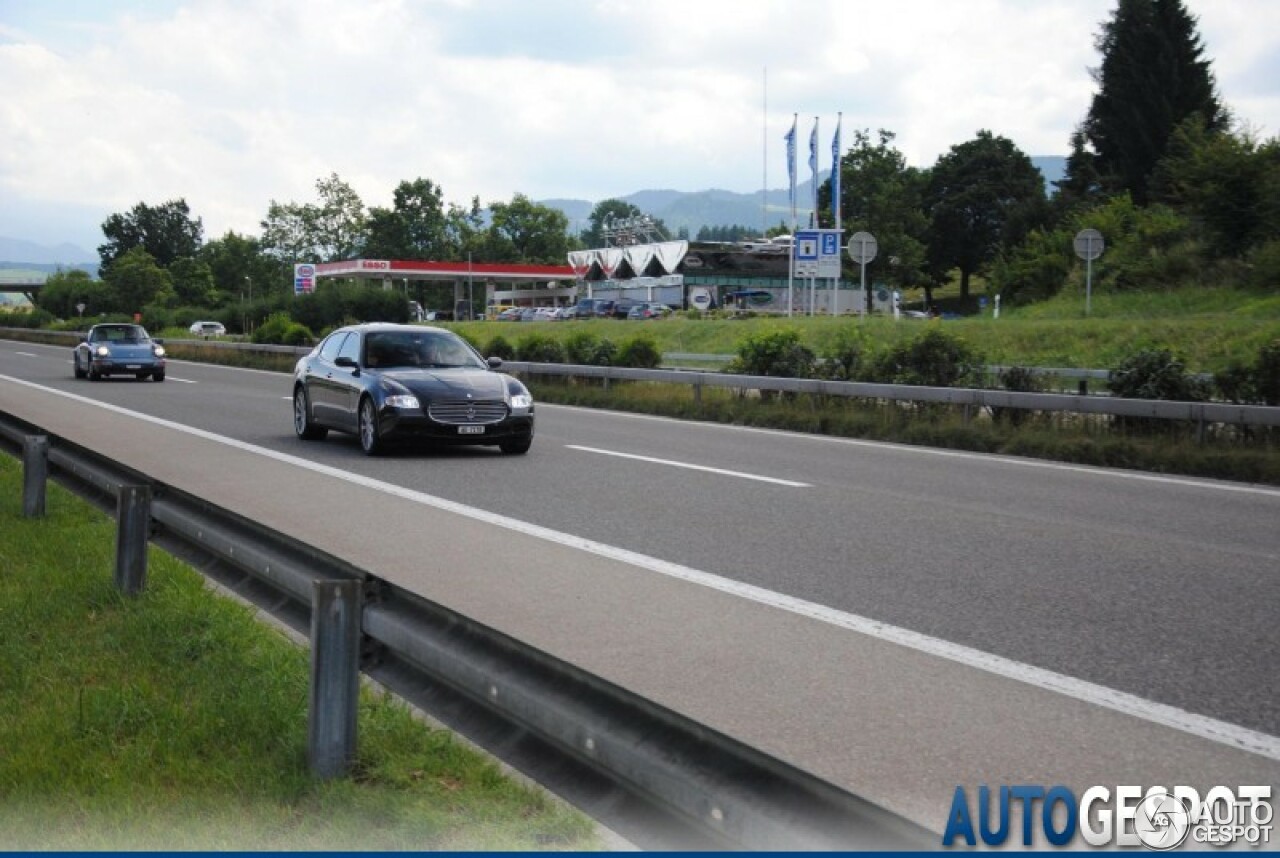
x,y
428,350
120,334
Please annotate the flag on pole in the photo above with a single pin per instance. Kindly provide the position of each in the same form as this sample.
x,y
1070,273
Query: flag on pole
x,y
813,168
790,137
835,171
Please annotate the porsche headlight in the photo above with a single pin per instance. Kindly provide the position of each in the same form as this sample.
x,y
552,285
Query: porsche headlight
x,y
402,401
159,351
102,351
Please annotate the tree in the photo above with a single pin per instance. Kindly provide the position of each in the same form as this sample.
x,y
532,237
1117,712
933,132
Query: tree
x,y
64,290
332,230
881,195
605,211
1153,76
525,231
136,280
237,264
1226,182
416,227
166,232
192,282
983,195
339,220
1080,186
287,233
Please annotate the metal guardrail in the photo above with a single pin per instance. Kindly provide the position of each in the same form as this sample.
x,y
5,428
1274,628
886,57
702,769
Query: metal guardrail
x,y
655,768
1201,413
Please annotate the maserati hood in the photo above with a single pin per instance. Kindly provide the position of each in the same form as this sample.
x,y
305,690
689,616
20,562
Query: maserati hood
x,y
476,384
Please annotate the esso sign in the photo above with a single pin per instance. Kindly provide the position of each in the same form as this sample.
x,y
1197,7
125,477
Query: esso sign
x,y
375,265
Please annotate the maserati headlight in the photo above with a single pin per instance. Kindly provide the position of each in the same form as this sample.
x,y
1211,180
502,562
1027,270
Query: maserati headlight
x,y
521,401
402,401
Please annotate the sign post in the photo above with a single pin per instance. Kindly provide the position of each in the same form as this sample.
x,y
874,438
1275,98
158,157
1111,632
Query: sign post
x,y
1089,246
863,249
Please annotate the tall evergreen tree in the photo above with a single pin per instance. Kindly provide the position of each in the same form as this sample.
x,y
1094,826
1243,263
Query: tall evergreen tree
x,y
1153,76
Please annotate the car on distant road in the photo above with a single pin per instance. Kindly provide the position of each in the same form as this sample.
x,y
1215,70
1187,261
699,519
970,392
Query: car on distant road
x,y
649,311
208,329
383,382
118,349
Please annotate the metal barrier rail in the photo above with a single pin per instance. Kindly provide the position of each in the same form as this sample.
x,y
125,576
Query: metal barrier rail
x,y
1201,413
658,770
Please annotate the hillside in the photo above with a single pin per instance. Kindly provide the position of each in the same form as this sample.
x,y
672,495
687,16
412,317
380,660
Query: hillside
x,y
715,207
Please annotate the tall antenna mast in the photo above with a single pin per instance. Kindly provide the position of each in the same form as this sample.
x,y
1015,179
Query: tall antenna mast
x,y
764,179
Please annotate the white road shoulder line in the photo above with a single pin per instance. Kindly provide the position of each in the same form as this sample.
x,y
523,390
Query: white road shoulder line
x,y
26,354
1212,729
674,464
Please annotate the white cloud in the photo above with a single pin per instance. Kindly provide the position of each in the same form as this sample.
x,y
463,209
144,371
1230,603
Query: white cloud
x,y
232,104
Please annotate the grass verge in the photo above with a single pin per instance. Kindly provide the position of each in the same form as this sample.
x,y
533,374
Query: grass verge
x,y
176,720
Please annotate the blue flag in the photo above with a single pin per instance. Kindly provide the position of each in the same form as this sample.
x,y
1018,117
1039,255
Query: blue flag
x,y
813,168
790,137
835,173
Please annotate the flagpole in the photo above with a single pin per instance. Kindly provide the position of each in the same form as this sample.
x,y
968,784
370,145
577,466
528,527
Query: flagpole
x,y
813,180
791,252
835,206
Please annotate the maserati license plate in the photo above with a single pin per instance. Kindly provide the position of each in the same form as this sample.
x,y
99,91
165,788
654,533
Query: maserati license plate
x,y
470,430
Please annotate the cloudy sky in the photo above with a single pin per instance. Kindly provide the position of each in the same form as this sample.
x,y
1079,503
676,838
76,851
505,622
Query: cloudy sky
x,y
231,104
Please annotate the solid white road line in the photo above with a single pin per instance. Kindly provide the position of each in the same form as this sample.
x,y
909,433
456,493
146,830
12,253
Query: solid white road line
x,y
1221,732
674,464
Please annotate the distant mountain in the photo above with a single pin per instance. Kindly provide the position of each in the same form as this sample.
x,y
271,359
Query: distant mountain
x,y
30,253
1053,168
696,209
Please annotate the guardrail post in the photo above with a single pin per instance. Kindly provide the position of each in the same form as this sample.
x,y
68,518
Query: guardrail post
x,y
133,529
335,676
697,393
35,474
1083,387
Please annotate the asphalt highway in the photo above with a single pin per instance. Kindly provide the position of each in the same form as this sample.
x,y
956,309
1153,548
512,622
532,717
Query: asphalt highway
x,y
1098,585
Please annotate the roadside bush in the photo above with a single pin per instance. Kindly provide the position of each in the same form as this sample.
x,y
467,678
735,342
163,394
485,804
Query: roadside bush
x,y
845,358
297,335
933,359
499,347
1266,374
640,351
273,329
1235,383
779,354
36,318
584,347
1264,266
1034,270
1017,379
539,348
1156,374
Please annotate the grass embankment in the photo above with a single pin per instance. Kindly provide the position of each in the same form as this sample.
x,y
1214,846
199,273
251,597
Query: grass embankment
x,y
175,720
1207,328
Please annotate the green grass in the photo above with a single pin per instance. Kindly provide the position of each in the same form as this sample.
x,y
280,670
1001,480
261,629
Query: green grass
x,y
1207,328
176,720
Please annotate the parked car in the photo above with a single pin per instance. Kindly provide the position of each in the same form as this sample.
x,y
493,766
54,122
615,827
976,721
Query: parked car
x,y
208,329
622,307
384,382
649,311
548,314
118,349
511,314
528,314
591,308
